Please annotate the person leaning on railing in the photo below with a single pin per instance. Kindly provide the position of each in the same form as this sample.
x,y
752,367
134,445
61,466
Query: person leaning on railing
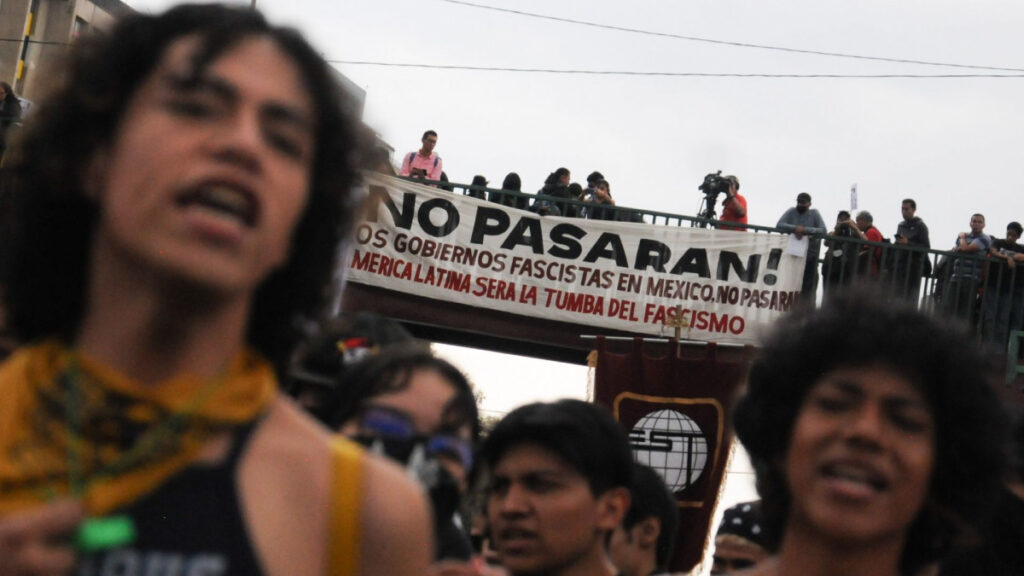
x,y
1003,301
962,292
840,254
870,257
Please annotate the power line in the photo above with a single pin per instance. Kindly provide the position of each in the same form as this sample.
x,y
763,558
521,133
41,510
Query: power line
x,y
731,43
665,74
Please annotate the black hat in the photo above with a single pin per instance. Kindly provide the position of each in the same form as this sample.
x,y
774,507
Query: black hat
x,y
744,520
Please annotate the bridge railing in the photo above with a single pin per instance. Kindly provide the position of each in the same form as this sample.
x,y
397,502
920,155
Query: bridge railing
x,y
979,290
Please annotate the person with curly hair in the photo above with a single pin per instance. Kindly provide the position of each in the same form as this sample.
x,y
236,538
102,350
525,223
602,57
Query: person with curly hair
x,y
877,440
172,216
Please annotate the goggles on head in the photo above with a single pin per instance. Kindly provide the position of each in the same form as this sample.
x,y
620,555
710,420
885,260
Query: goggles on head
x,y
395,430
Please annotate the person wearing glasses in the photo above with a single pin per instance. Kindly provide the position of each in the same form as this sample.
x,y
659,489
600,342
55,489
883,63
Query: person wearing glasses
x,y
404,402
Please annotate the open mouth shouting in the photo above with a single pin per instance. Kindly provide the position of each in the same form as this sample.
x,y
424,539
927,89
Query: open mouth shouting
x,y
223,201
852,480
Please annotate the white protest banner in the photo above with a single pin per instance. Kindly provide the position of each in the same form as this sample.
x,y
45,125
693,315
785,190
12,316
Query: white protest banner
x,y
716,285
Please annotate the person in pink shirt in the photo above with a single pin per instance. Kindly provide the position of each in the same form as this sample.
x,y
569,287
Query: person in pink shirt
x,y
424,163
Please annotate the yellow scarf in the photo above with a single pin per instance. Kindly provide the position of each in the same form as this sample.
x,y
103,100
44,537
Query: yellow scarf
x,y
66,419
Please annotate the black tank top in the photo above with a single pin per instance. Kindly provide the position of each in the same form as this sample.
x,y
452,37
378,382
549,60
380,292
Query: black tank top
x,y
192,525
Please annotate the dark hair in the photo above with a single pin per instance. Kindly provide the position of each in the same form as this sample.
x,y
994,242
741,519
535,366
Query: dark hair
x,y
390,371
512,182
1016,465
445,186
12,112
584,436
429,133
910,201
322,361
8,92
803,197
575,190
843,213
49,220
1016,227
651,498
743,521
861,328
594,177
557,175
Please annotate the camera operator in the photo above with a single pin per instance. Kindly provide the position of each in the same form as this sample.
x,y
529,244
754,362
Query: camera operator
x,y
734,207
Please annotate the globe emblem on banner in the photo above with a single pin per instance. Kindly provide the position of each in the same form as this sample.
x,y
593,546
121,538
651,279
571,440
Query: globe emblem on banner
x,y
673,444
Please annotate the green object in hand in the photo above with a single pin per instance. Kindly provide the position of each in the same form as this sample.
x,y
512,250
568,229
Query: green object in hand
x,y
96,534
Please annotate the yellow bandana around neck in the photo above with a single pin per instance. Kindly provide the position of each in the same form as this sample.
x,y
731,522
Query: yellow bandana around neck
x,y
72,426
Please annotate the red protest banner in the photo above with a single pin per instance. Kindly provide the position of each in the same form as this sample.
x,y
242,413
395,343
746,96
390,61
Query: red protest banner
x,y
675,407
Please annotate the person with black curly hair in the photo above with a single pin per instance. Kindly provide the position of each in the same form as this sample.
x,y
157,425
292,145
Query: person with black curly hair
x,y
172,216
877,440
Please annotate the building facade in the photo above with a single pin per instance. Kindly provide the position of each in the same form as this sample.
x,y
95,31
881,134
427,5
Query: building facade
x,y
34,34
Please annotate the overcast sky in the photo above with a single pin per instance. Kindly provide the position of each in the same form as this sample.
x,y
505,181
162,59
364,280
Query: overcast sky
x,y
953,144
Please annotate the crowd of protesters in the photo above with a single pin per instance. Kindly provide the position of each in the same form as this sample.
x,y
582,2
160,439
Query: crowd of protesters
x,y
976,281
559,196
168,413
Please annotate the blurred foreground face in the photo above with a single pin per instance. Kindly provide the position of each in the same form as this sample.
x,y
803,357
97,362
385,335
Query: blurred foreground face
x,y
206,179
542,514
861,456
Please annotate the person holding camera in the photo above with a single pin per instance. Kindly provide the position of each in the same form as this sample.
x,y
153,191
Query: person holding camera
x,y
599,200
734,207
424,163
841,255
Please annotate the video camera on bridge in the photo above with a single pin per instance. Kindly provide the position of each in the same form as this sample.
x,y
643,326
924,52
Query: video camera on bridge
x,y
714,184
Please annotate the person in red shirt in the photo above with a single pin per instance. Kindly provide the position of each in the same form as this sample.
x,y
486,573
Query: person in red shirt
x,y
734,207
869,258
